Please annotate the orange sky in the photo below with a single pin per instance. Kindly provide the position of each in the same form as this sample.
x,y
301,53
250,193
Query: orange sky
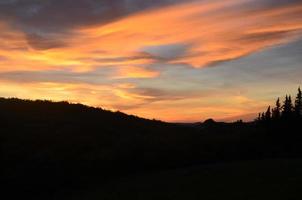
x,y
172,62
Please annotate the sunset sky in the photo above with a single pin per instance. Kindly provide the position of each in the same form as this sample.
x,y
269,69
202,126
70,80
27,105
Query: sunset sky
x,y
173,60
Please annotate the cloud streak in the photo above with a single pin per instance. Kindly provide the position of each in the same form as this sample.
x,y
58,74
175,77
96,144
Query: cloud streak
x,y
198,34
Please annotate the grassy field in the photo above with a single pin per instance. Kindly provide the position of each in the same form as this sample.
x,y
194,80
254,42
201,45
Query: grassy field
x,y
257,180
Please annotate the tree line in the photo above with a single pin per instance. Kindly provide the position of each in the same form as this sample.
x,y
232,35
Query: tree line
x,y
289,110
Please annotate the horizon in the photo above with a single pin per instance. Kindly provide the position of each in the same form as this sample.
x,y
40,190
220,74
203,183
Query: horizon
x,y
174,61
251,117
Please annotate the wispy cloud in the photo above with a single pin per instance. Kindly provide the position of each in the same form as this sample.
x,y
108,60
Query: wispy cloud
x,y
199,34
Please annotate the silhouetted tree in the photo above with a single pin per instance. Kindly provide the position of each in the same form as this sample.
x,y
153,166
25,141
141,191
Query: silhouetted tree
x,y
277,110
258,118
268,114
288,112
298,104
263,117
287,107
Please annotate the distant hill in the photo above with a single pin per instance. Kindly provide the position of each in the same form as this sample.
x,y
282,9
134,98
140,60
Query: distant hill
x,y
49,146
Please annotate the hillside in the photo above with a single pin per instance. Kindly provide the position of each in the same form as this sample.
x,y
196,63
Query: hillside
x,y
48,147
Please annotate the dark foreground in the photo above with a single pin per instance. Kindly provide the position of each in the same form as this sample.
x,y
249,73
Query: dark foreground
x,y
257,180
70,151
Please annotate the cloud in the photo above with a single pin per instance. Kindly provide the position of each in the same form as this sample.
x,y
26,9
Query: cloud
x,y
147,96
2,58
130,72
197,33
140,58
48,77
43,18
159,59
39,42
166,52
268,36
202,33
98,76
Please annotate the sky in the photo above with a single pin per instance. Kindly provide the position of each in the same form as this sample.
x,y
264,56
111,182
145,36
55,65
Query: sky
x,y
172,60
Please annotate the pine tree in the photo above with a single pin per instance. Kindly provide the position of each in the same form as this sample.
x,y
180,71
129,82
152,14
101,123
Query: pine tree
x,y
268,114
285,103
290,105
276,111
263,117
287,107
258,118
298,104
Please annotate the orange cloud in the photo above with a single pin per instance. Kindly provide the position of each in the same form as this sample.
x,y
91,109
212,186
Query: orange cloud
x,y
218,31
215,31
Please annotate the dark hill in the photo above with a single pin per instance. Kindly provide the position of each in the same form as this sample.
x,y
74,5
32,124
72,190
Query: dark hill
x,y
49,147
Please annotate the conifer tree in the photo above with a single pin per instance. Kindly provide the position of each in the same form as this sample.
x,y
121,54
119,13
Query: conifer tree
x,y
268,114
263,117
298,104
290,105
276,111
287,107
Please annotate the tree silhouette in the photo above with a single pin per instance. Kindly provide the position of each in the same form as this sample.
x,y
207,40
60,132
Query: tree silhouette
x,y
285,113
258,118
276,112
263,117
287,107
298,104
268,114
